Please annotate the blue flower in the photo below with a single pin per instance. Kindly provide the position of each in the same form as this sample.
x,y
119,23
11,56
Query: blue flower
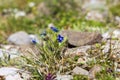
x,y
34,41
54,29
60,38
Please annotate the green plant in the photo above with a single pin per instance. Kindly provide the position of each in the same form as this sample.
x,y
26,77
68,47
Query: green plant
x,y
49,59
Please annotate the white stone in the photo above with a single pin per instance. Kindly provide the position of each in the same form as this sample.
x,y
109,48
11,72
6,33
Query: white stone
x,y
20,14
94,4
11,73
106,35
19,38
31,4
64,77
94,15
4,71
116,33
80,71
117,18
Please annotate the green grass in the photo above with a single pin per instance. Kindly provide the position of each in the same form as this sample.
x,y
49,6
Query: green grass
x,y
64,18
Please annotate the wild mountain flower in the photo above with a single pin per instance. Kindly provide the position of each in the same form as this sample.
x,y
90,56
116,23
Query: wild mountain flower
x,y
60,38
52,27
34,38
49,76
34,41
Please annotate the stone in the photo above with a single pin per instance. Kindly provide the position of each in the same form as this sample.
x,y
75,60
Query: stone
x,y
11,73
95,15
94,71
11,53
19,14
117,19
64,77
79,51
106,35
19,38
82,60
43,9
118,70
94,5
116,33
114,45
81,38
80,71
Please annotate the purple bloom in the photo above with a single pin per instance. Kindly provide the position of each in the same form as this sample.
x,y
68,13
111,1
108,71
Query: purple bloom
x,y
49,76
60,38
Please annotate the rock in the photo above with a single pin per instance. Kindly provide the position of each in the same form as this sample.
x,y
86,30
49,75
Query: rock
x,y
11,73
106,35
106,48
94,5
96,16
19,14
19,38
80,71
116,33
43,9
81,38
114,45
117,19
94,71
118,70
64,77
10,53
79,51
82,60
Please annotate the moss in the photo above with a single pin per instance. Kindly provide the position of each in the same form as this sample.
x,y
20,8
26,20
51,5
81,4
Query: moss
x,y
115,10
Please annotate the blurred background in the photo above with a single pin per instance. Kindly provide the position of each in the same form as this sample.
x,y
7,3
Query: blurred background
x,y
33,16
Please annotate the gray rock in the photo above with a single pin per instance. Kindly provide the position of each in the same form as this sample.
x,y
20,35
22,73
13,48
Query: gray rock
x,y
19,38
94,5
11,73
9,51
81,38
64,77
116,33
80,71
113,33
94,71
43,9
106,35
96,16
79,51
117,19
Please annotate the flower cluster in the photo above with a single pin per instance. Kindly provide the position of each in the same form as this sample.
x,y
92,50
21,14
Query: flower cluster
x,y
60,38
53,28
